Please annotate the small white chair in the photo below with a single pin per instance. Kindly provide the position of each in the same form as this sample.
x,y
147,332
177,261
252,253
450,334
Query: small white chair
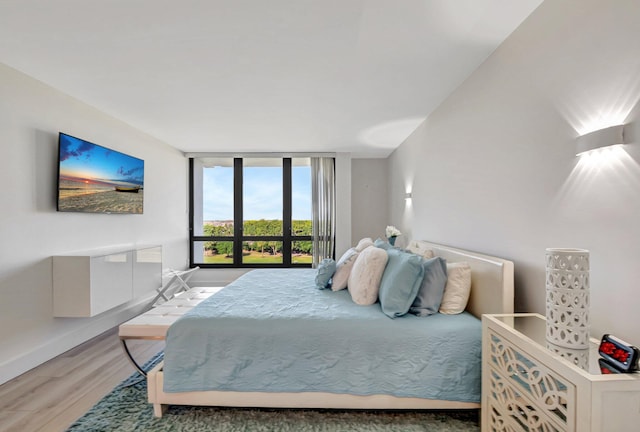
x,y
176,285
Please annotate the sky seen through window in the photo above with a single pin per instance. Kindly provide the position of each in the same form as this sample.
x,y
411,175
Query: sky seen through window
x,y
262,193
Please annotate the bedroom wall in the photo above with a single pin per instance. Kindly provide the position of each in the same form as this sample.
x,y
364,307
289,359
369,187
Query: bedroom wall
x,y
369,214
31,231
493,169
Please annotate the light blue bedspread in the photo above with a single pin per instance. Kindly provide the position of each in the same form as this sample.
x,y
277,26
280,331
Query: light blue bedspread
x,y
272,330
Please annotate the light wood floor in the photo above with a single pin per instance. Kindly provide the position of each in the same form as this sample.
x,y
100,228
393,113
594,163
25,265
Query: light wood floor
x,y
52,396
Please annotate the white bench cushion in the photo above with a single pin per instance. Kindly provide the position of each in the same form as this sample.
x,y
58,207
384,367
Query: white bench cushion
x,y
154,323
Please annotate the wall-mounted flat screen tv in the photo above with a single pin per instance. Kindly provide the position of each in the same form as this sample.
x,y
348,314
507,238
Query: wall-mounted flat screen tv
x,y
95,179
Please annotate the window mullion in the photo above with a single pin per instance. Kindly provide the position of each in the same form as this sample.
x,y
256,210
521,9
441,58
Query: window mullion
x,y
286,212
191,212
237,212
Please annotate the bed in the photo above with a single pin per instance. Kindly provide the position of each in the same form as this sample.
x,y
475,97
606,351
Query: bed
x,y
301,337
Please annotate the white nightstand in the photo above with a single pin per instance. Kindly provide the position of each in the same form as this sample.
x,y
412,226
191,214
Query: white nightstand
x,y
530,385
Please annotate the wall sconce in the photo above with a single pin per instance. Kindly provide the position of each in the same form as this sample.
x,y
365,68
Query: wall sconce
x,y
610,136
407,196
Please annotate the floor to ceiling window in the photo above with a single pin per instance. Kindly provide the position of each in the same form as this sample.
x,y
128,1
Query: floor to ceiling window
x,y
250,212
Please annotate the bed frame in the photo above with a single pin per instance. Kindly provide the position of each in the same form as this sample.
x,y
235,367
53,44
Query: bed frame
x,y
491,292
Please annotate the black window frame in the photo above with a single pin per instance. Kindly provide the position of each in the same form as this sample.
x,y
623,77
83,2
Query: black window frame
x,y
287,238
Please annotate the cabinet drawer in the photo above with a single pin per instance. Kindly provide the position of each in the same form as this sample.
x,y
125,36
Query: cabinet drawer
x,y
528,391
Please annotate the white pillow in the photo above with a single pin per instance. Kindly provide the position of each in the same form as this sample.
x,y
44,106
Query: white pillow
x,y
363,244
428,254
458,288
343,269
364,280
419,248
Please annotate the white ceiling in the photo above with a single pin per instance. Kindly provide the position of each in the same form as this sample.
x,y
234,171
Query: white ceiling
x,y
259,75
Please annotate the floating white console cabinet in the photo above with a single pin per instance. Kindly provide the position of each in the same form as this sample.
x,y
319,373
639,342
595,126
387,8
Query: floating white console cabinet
x,y
88,283
147,271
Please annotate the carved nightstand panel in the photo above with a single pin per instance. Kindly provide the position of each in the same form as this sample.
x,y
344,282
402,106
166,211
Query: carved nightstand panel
x,y
545,393
516,410
500,421
531,385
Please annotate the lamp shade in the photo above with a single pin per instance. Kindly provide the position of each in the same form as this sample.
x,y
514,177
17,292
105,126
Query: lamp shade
x,y
601,138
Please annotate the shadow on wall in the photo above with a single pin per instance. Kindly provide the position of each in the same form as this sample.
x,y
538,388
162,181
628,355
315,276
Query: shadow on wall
x,y
27,295
45,171
527,275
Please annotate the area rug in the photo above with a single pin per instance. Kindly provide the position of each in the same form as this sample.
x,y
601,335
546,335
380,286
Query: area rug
x,y
126,409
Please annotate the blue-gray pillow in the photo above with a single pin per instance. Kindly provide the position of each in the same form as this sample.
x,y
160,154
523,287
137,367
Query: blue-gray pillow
x,y
400,282
429,297
382,244
326,269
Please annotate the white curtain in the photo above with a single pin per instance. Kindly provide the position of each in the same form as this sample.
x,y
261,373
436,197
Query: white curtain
x,y
323,194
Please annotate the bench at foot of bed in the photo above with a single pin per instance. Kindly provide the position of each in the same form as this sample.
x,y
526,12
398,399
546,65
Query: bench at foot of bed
x,y
153,324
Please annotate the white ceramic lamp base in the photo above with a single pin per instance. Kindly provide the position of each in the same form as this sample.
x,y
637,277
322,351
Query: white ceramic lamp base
x,y
567,298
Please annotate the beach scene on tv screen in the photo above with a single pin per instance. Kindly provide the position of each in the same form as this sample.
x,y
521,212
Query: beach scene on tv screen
x,y
98,180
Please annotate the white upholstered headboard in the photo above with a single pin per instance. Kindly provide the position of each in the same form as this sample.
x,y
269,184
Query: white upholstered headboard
x,y
491,278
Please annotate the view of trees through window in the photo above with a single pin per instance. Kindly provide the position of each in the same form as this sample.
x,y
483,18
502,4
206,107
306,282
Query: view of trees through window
x,y
258,251
272,210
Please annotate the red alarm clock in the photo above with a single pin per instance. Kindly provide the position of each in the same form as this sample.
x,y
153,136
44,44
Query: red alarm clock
x,y
607,368
619,354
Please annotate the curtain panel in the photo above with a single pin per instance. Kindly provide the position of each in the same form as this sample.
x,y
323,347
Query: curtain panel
x,y
323,193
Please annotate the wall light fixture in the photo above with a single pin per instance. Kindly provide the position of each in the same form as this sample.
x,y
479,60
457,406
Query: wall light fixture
x,y
609,136
407,196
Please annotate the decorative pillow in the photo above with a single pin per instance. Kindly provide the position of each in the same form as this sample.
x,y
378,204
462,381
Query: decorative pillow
x,y
400,282
429,296
419,248
364,280
343,269
428,254
379,243
326,269
363,244
456,293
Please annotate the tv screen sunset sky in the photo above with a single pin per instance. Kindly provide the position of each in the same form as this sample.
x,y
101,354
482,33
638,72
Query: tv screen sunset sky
x,y
93,178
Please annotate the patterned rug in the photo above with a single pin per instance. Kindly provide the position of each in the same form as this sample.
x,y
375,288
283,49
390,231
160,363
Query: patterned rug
x,y
126,409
